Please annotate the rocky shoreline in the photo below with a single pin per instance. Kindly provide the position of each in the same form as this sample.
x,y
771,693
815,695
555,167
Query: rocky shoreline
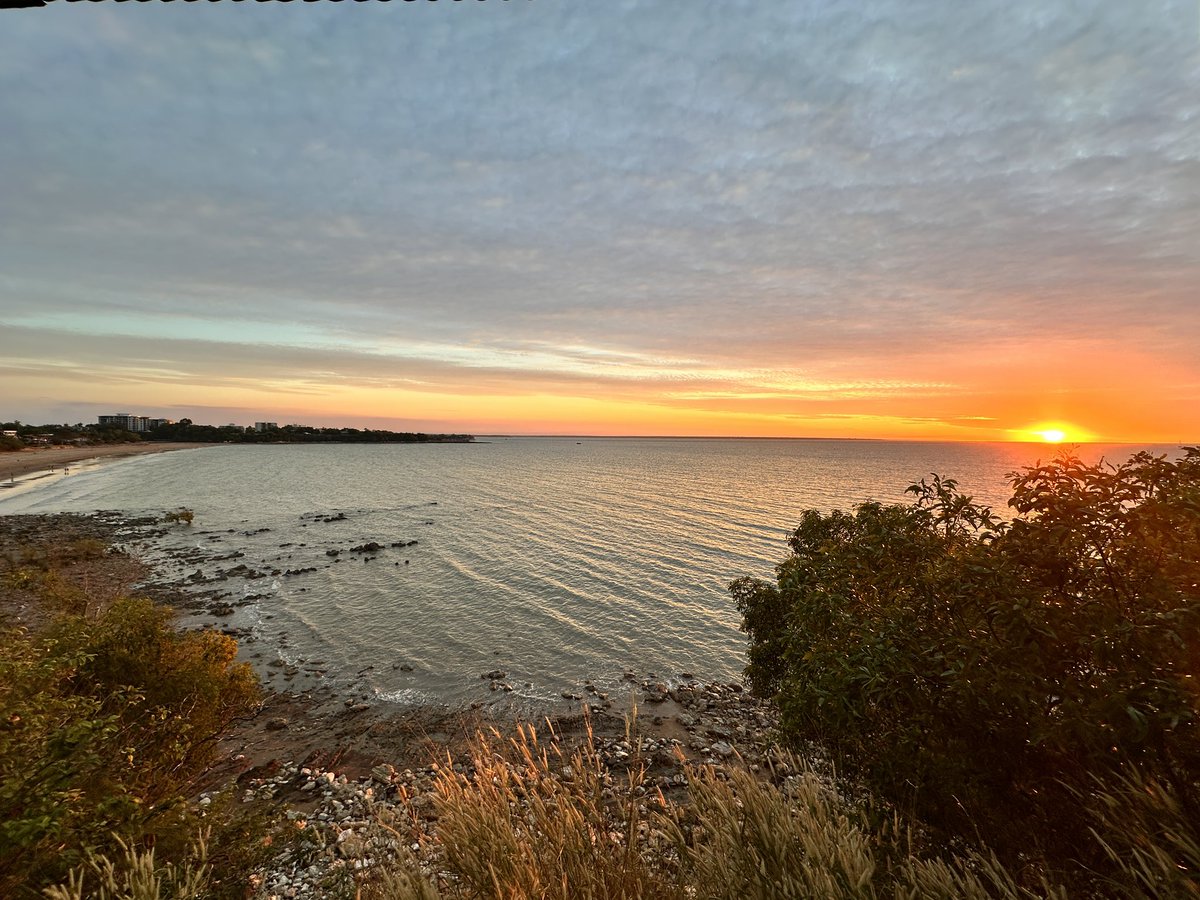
x,y
338,763
710,725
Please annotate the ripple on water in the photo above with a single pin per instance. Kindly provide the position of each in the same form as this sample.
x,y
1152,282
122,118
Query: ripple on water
x,y
554,560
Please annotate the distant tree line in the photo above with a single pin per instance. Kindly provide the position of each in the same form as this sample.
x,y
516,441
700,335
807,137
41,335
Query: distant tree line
x,y
187,430
29,435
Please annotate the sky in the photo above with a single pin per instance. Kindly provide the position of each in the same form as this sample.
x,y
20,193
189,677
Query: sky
x,y
903,220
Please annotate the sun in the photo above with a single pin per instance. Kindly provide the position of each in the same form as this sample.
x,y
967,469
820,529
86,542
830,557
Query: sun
x,y
1054,432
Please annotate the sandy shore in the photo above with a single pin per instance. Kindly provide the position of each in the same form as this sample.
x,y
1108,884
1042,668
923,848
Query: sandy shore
x,y
23,462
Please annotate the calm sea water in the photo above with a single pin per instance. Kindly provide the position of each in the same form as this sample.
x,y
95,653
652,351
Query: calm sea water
x,y
555,560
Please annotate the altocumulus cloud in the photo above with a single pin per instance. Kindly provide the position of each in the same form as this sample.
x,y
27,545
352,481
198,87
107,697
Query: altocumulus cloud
x,y
704,193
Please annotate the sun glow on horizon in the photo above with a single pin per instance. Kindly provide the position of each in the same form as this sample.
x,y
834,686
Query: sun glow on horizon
x,y
1055,433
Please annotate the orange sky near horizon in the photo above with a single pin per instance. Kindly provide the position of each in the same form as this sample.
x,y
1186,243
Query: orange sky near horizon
x,y
990,399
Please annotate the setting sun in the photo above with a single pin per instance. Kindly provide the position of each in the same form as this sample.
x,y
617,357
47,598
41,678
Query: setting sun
x,y
1055,432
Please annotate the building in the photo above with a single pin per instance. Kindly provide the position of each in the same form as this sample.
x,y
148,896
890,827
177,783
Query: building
x,y
265,426
132,423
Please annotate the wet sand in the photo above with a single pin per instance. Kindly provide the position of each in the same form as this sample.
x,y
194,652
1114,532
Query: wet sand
x,y
23,462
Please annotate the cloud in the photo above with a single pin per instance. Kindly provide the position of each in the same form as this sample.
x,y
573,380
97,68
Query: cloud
x,y
796,187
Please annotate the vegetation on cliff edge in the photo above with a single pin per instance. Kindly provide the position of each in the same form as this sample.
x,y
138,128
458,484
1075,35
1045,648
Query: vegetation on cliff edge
x,y
1028,684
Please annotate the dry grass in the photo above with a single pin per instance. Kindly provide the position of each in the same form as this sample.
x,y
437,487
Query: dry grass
x,y
137,876
533,822
1150,837
754,840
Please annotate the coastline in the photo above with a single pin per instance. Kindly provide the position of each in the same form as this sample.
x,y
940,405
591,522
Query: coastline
x,y
329,764
305,720
32,460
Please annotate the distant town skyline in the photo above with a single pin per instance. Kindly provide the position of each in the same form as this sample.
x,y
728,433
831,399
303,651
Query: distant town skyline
x,y
890,219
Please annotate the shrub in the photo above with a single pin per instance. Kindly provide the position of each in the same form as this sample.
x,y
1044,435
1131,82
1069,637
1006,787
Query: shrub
x,y
978,671
102,723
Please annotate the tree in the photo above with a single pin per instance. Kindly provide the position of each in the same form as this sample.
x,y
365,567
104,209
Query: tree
x,y
985,673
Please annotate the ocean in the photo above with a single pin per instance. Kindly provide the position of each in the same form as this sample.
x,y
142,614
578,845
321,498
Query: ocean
x,y
553,560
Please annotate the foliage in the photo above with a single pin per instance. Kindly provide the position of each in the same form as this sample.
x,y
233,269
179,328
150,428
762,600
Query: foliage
x,y
802,839
137,876
1148,836
534,821
45,570
102,723
537,824
976,670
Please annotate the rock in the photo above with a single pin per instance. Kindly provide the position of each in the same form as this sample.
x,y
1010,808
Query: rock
x,y
277,724
722,749
495,675
383,773
656,693
368,547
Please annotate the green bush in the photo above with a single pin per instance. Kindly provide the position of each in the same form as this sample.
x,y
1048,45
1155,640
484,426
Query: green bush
x,y
102,723
980,673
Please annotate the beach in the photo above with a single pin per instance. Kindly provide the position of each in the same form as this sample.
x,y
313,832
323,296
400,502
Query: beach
x,y
40,459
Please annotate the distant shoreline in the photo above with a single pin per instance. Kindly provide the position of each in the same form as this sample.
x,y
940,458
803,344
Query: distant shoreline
x,y
26,462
